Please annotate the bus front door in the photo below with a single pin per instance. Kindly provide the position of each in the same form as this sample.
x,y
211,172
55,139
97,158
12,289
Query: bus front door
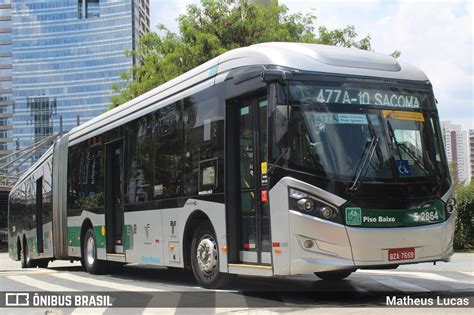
x,y
250,169
114,217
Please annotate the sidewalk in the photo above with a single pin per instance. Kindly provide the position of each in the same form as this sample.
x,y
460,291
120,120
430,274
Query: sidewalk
x,y
459,262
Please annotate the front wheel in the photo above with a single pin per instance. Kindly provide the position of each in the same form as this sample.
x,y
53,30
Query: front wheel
x,y
334,275
205,258
89,254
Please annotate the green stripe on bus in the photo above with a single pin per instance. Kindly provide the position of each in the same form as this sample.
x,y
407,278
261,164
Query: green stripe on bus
x,y
74,236
356,216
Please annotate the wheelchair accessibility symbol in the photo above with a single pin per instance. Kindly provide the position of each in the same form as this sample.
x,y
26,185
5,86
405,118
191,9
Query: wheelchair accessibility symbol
x,y
403,168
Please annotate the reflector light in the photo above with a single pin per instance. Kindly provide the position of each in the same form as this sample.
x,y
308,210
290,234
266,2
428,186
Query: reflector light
x,y
264,195
276,244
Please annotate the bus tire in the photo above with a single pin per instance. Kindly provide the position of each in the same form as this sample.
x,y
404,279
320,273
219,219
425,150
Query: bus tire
x,y
92,263
205,258
26,261
42,263
115,267
334,275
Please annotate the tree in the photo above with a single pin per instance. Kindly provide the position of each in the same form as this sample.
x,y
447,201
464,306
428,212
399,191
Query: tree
x,y
464,230
214,27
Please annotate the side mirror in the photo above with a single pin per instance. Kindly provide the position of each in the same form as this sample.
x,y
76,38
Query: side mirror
x,y
272,75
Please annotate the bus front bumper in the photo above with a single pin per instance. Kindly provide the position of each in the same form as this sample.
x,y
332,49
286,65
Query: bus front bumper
x,y
336,247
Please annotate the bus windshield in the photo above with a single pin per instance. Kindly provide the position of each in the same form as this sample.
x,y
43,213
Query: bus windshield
x,y
376,143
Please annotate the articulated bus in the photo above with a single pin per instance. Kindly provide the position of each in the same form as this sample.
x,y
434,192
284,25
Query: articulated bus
x,y
275,159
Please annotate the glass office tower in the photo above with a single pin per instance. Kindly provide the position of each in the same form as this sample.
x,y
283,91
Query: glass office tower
x,y
67,54
6,102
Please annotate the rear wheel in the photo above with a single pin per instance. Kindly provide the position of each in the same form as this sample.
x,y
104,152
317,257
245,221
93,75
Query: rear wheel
x,y
26,261
205,258
92,263
42,263
334,275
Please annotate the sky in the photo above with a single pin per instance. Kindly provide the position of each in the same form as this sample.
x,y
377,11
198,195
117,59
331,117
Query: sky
x,y
436,36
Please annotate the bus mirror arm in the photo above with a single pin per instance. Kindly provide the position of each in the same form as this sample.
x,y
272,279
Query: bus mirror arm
x,y
284,154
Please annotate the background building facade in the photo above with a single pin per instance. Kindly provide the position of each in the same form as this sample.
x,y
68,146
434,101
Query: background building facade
x,y
6,101
457,149
471,156
67,54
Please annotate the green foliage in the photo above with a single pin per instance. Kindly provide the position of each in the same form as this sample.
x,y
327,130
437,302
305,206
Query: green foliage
x,y
396,54
214,27
90,202
464,230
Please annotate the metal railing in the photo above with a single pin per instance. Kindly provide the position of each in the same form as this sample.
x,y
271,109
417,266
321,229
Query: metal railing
x,y
11,165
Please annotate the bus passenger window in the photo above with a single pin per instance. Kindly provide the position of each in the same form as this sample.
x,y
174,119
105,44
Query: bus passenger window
x,y
167,146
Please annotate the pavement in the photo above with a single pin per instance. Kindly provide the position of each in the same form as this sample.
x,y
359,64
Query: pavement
x,y
175,291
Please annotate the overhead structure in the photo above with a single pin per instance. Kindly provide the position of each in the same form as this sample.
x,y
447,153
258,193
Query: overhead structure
x,y
12,165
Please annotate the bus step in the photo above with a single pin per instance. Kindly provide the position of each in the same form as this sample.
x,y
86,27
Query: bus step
x,y
253,270
116,257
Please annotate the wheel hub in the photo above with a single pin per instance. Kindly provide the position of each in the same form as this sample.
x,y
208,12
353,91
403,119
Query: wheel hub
x,y
207,255
90,251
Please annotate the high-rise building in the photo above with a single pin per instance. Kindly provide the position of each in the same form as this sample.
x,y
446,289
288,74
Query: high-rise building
x,y
67,54
6,102
457,149
471,155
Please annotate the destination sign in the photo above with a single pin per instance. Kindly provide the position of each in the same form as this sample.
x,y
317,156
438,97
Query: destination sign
x,y
359,96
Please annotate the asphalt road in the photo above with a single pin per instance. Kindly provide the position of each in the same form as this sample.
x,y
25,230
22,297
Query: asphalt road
x,y
175,291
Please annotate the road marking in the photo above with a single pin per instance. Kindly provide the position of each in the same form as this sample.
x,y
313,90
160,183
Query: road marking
x,y
27,272
88,311
42,285
157,310
105,284
422,275
399,284
469,273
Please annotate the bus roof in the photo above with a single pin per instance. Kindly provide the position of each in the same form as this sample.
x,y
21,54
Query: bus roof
x,y
300,56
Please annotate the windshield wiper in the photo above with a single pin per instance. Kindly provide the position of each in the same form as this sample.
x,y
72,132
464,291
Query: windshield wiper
x,y
364,166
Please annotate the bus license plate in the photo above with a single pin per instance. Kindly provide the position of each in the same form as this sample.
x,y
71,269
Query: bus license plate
x,y
401,253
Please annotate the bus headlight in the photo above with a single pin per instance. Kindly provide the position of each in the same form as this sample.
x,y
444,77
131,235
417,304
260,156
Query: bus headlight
x,y
450,205
306,205
309,204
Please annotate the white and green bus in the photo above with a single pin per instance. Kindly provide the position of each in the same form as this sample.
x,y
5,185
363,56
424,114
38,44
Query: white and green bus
x,y
271,160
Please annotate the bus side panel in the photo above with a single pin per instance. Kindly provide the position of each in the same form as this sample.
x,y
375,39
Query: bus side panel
x,y
74,226
59,198
173,227
14,215
156,236
24,217
47,220
143,236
